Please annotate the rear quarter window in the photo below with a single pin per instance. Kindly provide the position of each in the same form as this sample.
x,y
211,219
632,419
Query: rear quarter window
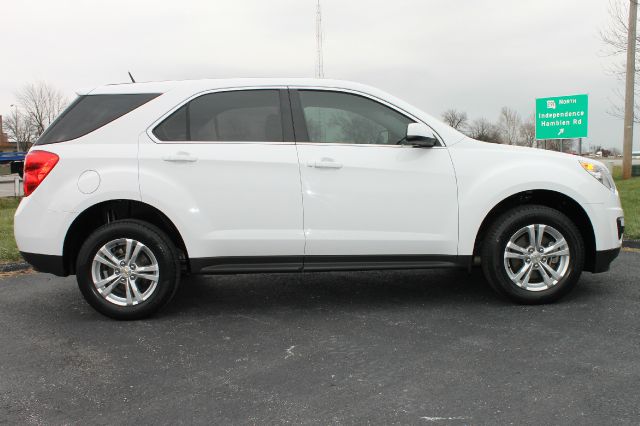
x,y
90,112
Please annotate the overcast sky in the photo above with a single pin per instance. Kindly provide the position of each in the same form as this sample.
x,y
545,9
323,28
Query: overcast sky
x,y
473,55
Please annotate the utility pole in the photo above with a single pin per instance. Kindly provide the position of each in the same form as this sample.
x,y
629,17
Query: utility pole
x,y
319,65
629,102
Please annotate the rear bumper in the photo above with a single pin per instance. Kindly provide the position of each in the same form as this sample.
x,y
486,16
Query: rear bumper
x,y
46,263
603,259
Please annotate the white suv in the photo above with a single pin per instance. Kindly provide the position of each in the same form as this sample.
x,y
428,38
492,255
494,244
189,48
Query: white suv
x,y
135,184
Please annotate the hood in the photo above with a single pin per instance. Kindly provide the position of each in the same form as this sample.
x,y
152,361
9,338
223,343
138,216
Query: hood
x,y
469,143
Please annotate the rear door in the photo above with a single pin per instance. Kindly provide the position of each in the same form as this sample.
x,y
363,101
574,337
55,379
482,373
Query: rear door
x,y
363,193
224,167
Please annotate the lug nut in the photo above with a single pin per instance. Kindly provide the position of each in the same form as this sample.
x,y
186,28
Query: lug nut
x,y
541,250
133,266
535,265
122,263
531,250
528,260
133,277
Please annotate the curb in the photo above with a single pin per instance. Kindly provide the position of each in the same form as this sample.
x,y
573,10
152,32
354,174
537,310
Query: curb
x,y
13,267
631,243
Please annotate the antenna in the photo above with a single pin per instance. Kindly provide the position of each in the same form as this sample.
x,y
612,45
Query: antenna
x,y
131,77
319,64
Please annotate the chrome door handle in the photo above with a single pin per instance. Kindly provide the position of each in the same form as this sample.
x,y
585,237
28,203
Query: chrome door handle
x,y
180,157
325,164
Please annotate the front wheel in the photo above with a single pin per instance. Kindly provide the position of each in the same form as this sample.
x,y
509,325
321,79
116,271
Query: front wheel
x,y
127,269
533,254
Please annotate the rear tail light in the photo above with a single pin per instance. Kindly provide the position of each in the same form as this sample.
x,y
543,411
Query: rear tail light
x,y
37,166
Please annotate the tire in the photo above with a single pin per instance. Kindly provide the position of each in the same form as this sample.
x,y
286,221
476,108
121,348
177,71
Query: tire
x,y
148,284
503,267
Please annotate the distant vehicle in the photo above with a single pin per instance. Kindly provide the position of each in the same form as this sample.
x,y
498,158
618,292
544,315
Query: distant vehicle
x,y
8,157
15,159
599,154
635,154
137,183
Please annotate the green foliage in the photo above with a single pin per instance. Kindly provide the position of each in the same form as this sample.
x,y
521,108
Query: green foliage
x,y
8,250
630,197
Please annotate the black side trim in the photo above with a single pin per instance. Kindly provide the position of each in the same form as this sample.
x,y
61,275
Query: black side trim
x,y
235,265
602,260
285,113
379,262
245,264
46,263
299,123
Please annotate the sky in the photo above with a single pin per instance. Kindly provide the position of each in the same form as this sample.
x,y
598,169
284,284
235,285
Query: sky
x,y
472,55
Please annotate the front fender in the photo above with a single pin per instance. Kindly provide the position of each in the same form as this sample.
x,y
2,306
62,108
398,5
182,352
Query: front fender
x,y
488,176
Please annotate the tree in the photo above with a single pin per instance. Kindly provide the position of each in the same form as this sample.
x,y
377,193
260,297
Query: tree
x,y
614,38
483,130
509,124
456,119
18,129
38,105
528,132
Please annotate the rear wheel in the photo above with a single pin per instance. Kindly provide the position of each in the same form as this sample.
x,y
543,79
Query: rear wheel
x,y
533,254
128,269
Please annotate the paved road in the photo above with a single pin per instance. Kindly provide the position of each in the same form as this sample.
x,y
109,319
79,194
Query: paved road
x,y
416,347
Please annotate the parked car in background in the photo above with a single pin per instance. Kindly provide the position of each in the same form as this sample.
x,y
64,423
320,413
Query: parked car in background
x,y
136,184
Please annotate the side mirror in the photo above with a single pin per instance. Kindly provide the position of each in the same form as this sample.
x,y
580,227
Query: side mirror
x,y
420,136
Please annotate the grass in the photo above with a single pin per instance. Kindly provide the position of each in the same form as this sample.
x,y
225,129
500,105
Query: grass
x,y
629,194
8,250
630,197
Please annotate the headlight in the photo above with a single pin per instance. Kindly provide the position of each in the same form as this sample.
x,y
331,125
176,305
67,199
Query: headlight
x,y
600,173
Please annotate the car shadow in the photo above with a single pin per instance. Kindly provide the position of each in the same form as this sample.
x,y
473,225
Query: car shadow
x,y
269,292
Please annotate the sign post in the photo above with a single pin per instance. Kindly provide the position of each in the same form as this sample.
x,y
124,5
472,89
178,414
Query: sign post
x,y
562,117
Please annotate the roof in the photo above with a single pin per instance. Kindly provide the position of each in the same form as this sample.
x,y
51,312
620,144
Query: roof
x,y
209,84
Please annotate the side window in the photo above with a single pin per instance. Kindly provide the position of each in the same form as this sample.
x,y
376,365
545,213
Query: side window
x,y
336,117
90,112
174,128
237,116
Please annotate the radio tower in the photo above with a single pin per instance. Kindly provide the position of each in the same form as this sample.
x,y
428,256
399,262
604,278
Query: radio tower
x,y
319,65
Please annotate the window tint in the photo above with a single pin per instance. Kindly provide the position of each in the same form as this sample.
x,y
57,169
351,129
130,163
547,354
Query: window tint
x,y
174,128
346,118
90,112
237,116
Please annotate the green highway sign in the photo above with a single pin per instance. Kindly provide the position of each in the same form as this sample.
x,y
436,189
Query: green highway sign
x,y
563,117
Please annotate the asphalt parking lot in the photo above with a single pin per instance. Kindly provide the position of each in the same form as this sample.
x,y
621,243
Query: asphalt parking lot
x,y
410,347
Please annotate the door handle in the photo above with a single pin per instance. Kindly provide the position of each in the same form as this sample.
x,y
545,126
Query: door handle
x,y
180,157
325,164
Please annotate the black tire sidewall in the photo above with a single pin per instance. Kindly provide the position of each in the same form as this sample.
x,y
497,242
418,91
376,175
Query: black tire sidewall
x,y
160,246
505,227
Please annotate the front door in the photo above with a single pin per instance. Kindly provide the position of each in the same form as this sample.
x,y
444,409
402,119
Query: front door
x,y
363,192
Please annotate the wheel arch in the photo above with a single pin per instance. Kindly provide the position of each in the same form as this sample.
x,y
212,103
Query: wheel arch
x,y
108,211
553,199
